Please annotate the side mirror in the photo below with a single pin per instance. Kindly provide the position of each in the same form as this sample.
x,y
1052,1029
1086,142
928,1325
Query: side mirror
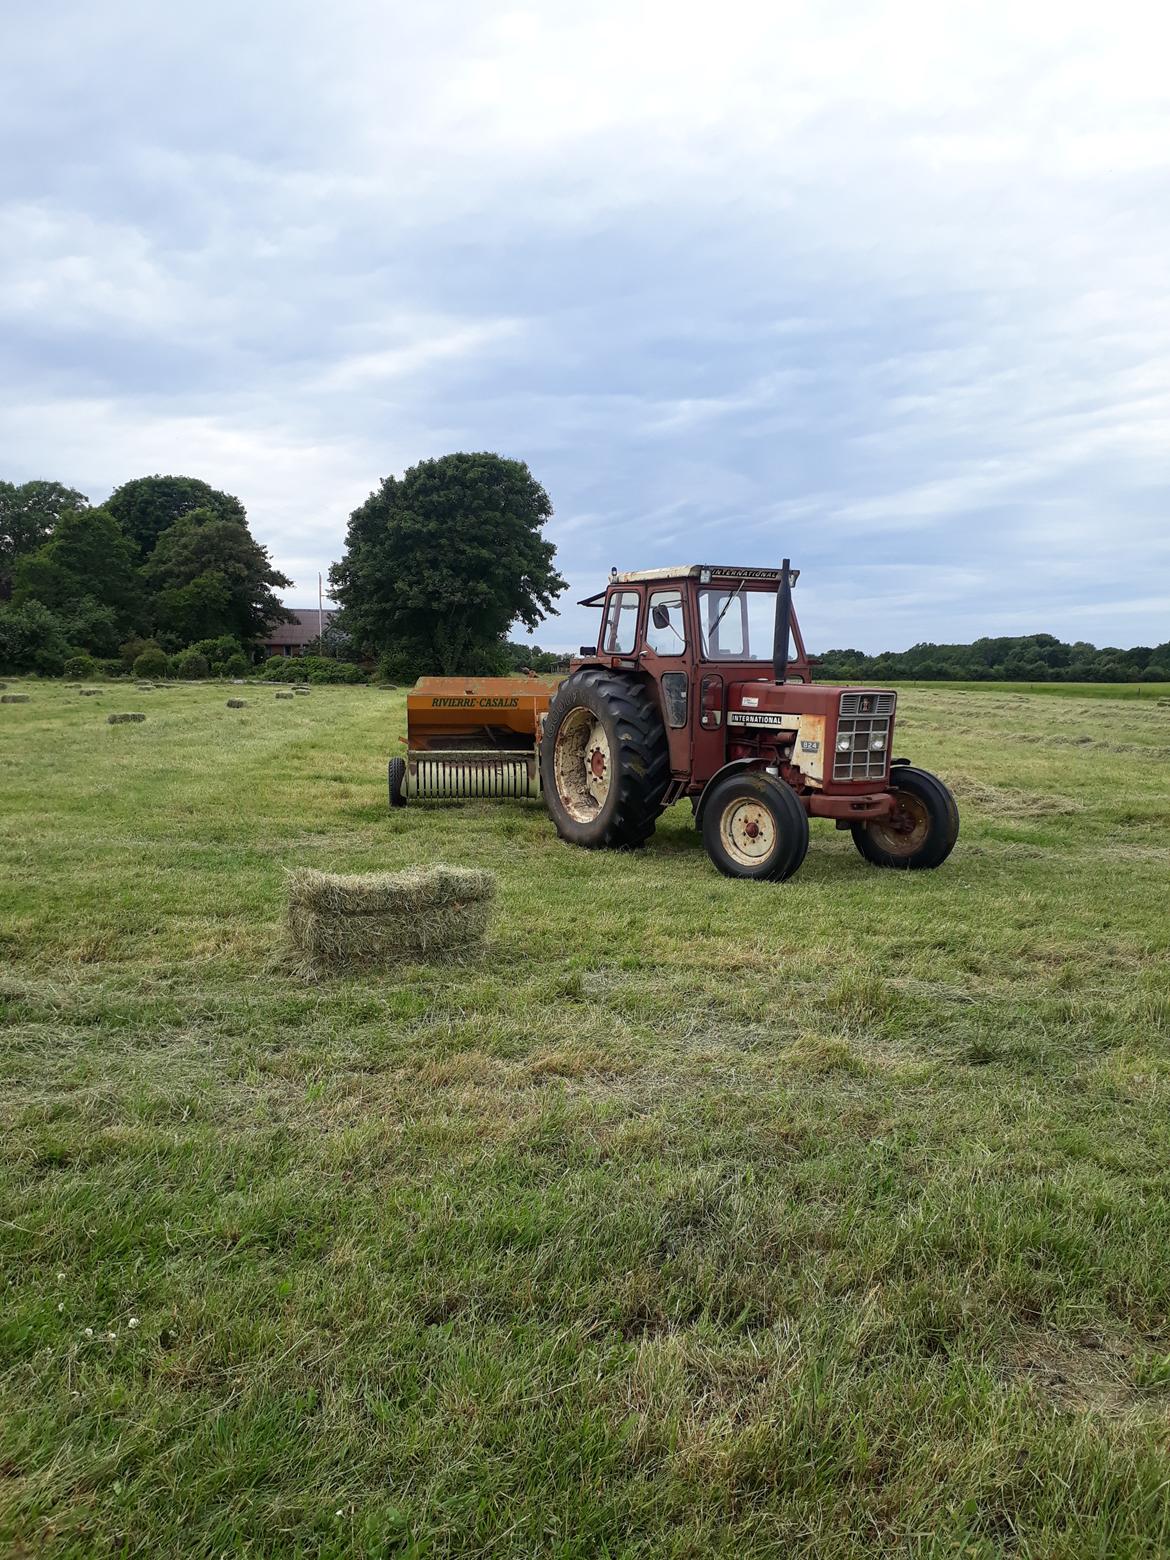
x,y
660,616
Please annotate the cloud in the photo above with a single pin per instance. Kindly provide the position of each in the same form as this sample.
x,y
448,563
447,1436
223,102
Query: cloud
x,y
880,287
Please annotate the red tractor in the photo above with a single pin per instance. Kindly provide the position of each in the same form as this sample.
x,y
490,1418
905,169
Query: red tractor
x,y
699,686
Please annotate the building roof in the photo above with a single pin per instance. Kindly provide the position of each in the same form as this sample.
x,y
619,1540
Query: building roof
x,y
302,630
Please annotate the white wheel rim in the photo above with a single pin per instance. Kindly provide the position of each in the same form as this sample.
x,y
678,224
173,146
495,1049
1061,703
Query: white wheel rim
x,y
582,765
747,832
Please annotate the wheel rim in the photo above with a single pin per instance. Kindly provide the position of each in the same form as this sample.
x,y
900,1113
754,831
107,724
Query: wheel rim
x,y
906,829
582,765
747,832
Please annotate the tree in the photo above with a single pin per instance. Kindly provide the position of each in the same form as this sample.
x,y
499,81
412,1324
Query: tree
x,y
148,506
87,559
151,663
440,562
33,639
28,514
211,577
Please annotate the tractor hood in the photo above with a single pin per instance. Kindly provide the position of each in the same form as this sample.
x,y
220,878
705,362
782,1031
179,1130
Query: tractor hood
x,y
809,722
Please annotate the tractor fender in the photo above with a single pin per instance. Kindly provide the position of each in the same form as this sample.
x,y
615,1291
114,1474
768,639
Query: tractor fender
x,y
735,767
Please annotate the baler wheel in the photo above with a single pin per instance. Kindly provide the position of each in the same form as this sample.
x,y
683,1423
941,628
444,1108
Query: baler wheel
x,y
923,829
755,827
396,779
604,762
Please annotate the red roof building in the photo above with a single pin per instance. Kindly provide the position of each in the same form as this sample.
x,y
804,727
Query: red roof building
x,y
292,638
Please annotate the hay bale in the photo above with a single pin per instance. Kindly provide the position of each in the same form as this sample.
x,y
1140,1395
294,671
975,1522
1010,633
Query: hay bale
x,y
376,919
90,693
121,720
235,704
304,691
13,698
280,694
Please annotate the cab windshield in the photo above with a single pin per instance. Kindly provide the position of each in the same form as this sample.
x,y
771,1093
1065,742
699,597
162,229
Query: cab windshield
x,y
737,624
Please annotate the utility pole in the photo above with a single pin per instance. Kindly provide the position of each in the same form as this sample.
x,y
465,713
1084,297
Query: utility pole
x,y
320,617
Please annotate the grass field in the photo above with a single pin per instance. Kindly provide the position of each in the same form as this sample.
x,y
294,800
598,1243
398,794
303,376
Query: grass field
x,y
696,1218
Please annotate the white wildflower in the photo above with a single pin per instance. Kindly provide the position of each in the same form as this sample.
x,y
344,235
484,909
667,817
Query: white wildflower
x,y
89,1332
133,1322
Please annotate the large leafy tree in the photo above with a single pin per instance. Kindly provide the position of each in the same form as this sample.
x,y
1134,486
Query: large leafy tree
x,y
28,513
440,562
148,506
209,576
87,560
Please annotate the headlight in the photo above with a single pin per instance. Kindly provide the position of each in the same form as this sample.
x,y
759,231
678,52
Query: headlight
x,y
844,744
877,743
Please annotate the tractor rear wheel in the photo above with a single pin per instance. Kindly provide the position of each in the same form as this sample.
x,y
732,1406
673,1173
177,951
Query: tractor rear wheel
x,y
922,830
755,827
604,763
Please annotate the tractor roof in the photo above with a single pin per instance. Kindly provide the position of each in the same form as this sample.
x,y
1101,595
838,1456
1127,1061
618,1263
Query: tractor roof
x,y
701,571
704,572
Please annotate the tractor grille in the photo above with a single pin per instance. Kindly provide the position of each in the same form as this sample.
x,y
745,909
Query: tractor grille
x,y
863,717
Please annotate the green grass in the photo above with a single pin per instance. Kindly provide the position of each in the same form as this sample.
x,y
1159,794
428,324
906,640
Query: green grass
x,y
1061,690
697,1218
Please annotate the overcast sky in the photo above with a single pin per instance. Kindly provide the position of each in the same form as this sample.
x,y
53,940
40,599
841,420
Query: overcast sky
x,y
885,287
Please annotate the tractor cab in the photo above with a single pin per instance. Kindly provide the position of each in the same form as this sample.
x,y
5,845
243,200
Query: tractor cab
x,y
702,612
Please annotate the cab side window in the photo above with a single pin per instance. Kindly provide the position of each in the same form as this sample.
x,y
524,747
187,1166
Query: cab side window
x,y
666,632
619,632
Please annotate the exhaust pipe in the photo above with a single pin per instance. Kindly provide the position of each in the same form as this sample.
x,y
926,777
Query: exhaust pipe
x,y
783,624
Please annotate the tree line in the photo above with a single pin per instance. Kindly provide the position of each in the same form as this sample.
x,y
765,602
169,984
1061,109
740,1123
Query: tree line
x,y
1022,658
438,566
165,576
165,566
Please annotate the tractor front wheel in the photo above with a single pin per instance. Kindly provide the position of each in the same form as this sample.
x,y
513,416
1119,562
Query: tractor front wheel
x,y
755,827
920,832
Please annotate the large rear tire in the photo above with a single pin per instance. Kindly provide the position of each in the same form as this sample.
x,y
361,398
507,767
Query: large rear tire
x,y
922,830
755,827
604,762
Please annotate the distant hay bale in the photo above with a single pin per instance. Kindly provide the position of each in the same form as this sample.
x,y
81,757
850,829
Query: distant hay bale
x,y
302,690
377,919
235,704
13,698
281,694
90,693
122,720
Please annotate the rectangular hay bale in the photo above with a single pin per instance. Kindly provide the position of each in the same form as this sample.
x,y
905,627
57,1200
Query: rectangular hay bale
x,y
378,919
